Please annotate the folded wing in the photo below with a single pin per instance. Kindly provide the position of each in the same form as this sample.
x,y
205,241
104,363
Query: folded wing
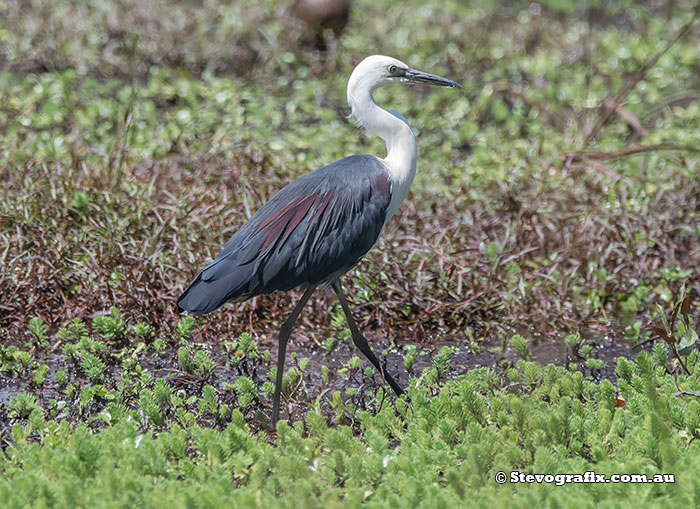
x,y
312,231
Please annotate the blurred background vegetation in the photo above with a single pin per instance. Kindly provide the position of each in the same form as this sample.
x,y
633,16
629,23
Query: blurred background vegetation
x,y
137,136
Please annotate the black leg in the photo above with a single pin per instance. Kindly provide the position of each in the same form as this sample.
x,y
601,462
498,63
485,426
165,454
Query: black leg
x,y
360,341
285,332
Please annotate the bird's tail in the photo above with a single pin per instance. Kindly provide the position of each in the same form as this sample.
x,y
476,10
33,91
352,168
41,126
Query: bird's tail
x,y
197,299
220,282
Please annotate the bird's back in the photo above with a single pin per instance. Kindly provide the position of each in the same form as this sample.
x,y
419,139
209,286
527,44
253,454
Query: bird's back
x,y
310,232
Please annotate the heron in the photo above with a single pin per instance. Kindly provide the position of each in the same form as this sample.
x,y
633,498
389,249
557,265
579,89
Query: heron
x,y
319,226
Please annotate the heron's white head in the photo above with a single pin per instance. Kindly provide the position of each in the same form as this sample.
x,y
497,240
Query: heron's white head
x,y
377,71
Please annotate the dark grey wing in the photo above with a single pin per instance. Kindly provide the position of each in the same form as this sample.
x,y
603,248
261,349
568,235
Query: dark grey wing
x,y
314,229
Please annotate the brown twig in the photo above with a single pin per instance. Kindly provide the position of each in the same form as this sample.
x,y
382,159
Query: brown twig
x,y
628,117
575,157
674,351
687,393
637,78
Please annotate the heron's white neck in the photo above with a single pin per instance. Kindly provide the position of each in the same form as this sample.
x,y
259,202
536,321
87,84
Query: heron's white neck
x,y
400,142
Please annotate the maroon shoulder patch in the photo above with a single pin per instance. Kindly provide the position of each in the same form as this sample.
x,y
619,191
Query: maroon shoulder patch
x,y
282,223
380,182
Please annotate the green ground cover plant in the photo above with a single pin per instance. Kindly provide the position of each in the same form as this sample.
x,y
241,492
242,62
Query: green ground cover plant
x,y
151,445
554,218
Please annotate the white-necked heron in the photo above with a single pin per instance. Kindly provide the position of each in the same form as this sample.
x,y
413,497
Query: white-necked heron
x,y
318,227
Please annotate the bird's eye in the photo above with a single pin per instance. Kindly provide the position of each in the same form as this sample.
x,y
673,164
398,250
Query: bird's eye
x,y
393,69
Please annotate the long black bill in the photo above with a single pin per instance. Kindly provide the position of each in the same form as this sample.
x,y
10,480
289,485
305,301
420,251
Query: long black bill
x,y
423,77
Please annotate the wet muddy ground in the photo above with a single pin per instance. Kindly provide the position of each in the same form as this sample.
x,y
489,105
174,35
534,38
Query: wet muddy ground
x,y
543,350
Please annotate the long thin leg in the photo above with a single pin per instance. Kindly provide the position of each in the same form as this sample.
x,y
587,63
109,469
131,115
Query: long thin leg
x,y
285,332
360,341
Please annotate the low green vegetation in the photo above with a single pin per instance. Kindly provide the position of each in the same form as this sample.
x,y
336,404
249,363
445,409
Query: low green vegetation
x,y
161,442
554,217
